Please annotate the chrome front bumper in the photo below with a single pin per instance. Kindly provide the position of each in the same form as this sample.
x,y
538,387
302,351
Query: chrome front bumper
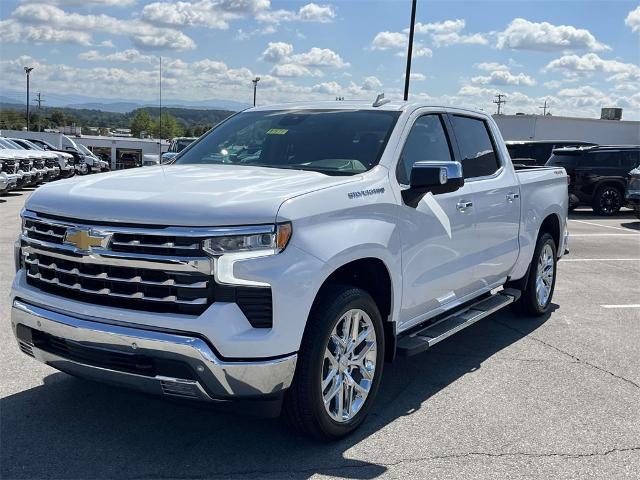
x,y
112,353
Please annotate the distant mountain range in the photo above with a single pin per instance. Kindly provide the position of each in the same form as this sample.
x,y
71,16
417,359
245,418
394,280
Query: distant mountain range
x,y
117,105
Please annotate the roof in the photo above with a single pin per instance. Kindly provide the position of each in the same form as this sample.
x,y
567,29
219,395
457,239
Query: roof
x,y
596,147
569,142
393,105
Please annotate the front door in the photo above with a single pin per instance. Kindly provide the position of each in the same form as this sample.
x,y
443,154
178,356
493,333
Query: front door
x,y
437,234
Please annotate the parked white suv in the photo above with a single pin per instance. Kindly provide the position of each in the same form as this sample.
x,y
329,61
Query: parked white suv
x,y
287,255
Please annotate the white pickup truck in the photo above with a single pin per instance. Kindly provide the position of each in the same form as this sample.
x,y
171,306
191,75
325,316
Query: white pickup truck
x,y
286,255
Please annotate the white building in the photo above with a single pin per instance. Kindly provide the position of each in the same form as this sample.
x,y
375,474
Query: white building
x,y
539,127
112,148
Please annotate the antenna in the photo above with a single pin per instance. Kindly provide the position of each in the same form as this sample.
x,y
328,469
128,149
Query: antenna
x,y
500,101
380,100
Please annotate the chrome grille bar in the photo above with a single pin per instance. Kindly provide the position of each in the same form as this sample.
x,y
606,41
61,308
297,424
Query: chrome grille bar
x,y
104,276
106,291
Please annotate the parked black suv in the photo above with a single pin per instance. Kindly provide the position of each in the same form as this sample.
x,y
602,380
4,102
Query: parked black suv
x,y
598,174
538,150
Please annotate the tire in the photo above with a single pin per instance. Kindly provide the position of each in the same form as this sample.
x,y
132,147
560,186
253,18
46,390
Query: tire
x,y
304,407
530,303
608,200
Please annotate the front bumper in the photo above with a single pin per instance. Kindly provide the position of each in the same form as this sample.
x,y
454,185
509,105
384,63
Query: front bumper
x,y
11,181
171,364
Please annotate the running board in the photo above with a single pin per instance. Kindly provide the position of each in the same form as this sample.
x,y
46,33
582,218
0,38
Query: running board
x,y
418,342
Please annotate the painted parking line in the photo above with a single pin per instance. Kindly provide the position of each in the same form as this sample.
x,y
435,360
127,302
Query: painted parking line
x,y
634,305
599,225
565,260
573,235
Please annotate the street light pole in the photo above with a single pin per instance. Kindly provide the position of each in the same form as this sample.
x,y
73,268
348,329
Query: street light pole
x,y
255,88
407,75
27,70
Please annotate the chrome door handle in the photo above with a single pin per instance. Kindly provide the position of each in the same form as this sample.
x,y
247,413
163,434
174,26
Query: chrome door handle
x,y
512,196
464,206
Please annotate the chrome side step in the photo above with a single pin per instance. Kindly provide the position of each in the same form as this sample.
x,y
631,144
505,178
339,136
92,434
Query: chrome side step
x,y
418,342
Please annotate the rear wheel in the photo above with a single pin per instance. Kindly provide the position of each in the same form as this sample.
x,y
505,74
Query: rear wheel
x,y
339,365
608,200
536,297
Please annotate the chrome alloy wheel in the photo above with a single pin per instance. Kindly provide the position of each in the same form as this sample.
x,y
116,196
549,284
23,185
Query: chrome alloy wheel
x,y
349,365
544,275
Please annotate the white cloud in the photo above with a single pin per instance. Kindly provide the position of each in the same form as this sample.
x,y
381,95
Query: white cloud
x,y
591,62
418,77
310,12
313,12
277,52
633,20
289,64
371,83
491,66
440,27
12,31
329,88
455,38
86,3
50,21
522,34
449,32
107,44
389,40
208,13
504,77
130,55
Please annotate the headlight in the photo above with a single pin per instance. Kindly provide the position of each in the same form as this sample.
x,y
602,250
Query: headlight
x,y
265,243
227,250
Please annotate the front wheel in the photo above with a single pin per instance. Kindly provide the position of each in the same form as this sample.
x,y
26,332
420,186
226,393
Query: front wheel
x,y
536,297
608,200
339,365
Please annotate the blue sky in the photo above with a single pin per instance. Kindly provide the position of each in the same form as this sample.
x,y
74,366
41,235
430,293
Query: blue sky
x,y
578,55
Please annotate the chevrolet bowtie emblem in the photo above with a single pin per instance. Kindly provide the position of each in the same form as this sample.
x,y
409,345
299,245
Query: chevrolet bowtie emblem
x,y
83,238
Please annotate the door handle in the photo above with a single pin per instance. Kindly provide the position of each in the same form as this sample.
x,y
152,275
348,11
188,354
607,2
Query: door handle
x,y
512,196
464,206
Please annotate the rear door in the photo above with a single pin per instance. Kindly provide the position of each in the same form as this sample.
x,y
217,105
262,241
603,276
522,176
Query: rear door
x,y
496,200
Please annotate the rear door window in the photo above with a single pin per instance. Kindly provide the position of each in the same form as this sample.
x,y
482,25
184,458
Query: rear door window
x,y
566,161
479,158
631,159
601,159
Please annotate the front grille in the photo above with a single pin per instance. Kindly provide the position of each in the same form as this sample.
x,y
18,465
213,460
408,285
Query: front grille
x,y
10,166
25,165
120,361
38,163
156,244
153,269
50,162
136,288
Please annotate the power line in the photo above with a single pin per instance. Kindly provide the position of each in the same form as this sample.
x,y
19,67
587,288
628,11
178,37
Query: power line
x,y
499,101
544,107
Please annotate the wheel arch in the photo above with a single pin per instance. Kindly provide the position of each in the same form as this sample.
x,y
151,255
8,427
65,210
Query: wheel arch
x,y
372,275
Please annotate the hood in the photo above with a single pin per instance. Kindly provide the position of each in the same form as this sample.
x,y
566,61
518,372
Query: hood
x,y
179,195
6,153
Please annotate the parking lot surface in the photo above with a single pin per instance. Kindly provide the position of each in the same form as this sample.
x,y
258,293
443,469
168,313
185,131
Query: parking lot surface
x,y
510,397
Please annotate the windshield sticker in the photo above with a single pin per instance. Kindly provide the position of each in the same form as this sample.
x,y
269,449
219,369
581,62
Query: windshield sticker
x,y
366,193
277,131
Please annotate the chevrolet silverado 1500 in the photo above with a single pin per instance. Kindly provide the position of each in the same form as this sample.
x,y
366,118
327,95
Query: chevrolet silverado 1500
x,y
286,255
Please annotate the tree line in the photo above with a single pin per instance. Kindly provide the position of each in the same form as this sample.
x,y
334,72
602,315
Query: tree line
x,y
143,121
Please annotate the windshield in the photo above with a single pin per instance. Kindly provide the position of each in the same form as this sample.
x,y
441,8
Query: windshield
x,y
11,145
334,142
30,145
85,150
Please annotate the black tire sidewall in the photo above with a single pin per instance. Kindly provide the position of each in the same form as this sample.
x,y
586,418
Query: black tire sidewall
x,y
340,301
544,239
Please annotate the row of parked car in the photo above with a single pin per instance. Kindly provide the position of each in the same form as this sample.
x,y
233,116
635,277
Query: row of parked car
x,y
604,177
31,162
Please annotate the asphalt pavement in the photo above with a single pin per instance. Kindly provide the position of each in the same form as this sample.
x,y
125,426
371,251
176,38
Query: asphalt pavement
x,y
556,397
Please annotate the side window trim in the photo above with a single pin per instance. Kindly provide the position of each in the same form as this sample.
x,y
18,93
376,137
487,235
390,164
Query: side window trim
x,y
498,153
448,133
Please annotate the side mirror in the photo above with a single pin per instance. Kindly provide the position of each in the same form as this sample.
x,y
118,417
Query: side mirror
x,y
434,177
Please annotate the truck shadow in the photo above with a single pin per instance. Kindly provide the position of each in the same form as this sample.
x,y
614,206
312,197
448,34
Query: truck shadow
x,y
69,428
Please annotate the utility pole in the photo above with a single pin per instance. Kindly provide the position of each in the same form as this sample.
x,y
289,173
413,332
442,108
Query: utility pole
x,y
544,108
28,70
410,49
39,101
255,88
499,101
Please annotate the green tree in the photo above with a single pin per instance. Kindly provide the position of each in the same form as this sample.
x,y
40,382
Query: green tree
x,y
141,122
57,117
170,127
